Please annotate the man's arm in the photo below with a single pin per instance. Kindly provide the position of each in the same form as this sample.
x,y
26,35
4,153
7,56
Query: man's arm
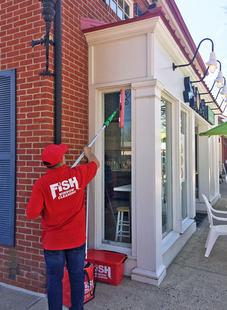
x,y
90,156
35,205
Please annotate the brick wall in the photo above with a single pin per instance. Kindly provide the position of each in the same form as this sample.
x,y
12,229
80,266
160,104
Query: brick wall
x,y
20,22
75,71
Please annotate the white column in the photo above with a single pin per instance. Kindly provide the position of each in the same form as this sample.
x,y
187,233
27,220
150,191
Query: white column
x,y
146,182
214,184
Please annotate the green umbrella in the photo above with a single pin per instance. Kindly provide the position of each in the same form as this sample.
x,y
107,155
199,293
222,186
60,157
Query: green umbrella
x,y
220,130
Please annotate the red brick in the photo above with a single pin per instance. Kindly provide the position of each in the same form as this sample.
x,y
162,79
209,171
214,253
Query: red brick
x,y
31,263
24,243
23,280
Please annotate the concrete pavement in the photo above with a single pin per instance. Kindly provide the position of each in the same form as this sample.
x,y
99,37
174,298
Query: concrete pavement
x,y
193,282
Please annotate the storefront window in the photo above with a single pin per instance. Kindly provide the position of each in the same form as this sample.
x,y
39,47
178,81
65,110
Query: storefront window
x,y
183,164
166,162
117,172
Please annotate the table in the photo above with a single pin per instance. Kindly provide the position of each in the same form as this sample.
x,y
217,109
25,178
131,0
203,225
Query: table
x,y
123,188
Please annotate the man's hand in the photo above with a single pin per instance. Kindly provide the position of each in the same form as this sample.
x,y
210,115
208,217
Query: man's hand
x,y
90,156
87,151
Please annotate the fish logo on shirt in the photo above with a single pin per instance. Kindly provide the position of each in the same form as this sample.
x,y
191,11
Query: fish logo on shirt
x,y
65,188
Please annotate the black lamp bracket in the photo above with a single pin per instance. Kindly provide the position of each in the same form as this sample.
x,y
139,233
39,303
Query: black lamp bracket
x,y
41,41
217,94
209,90
218,106
202,77
177,66
48,15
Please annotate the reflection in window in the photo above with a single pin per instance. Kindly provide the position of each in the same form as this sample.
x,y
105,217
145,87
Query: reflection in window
x,y
166,166
117,170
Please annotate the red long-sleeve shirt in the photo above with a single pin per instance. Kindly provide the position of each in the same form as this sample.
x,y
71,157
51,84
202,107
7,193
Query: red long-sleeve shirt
x,y
59,195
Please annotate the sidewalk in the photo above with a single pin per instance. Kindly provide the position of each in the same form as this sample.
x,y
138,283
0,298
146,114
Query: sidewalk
x,y
192,282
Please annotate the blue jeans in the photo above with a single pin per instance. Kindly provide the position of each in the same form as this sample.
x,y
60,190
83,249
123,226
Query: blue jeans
x,y
55,261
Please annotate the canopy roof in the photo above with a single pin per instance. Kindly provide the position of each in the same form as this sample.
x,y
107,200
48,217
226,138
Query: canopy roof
x,y
220,130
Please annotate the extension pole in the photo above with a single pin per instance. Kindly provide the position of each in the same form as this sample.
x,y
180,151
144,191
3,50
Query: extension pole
x,y
107,122
87,205
90,144
100,131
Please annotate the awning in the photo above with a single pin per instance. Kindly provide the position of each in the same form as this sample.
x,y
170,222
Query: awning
x,y
220,130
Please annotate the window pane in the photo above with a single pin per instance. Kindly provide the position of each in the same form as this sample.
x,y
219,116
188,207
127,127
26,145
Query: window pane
x,y
120,3
117,170
120,13
166,166
126,9
113,6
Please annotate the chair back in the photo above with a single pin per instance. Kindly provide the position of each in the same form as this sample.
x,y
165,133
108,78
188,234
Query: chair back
x,y
209,208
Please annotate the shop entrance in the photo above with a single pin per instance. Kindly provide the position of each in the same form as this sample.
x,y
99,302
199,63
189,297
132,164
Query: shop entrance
x,y
117,173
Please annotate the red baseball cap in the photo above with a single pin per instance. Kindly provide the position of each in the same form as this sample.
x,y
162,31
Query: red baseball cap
x,y
53,153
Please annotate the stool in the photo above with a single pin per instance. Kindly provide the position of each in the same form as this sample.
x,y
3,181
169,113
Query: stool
x,y
120,232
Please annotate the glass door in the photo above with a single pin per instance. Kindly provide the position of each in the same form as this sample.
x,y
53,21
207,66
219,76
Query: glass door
x,y
117,172
166,162
183,164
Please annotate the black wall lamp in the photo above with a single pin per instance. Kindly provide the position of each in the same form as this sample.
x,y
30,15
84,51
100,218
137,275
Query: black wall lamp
x,y
219,79
222,91
212,63
48,15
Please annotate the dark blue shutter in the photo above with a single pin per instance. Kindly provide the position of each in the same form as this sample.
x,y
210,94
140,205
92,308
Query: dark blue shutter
x,y
7,156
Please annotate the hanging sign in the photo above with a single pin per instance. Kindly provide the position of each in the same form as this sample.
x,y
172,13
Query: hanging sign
x,y
211,118
192,96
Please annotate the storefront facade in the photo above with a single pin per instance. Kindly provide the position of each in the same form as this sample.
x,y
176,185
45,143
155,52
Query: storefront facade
x,y
156,167
137,56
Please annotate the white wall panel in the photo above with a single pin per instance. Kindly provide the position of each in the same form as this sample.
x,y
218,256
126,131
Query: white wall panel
x,y
120,60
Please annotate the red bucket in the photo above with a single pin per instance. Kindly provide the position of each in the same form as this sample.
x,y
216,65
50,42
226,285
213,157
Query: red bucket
x,y
110,265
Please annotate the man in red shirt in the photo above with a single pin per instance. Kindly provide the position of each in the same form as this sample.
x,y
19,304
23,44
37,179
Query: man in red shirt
x,y
59,198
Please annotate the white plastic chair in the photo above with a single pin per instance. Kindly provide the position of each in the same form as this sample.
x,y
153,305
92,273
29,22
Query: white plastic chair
x,y
214,231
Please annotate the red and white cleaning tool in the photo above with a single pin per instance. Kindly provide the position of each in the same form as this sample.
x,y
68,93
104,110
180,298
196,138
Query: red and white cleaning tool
x,y
122,108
